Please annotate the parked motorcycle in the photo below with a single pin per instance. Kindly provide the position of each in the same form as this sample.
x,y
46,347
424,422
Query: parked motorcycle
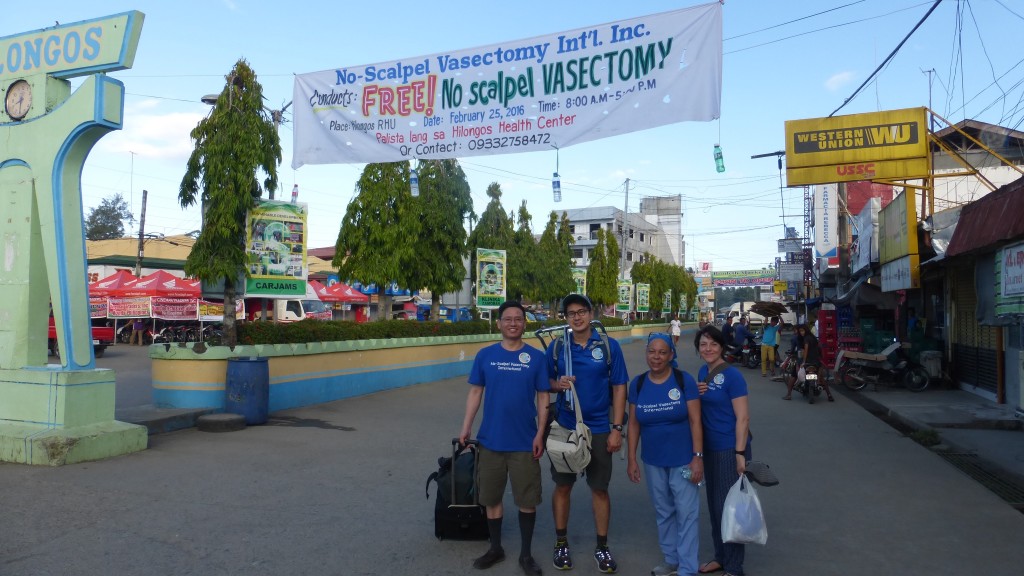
x,y
891,367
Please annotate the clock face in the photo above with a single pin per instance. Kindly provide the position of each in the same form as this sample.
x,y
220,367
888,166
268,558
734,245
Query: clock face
x,y
19,99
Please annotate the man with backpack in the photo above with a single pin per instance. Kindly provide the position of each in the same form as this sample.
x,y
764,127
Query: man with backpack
x,y
598,372
511,433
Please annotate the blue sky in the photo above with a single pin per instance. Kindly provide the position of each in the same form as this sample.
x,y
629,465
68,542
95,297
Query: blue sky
x,y
783,60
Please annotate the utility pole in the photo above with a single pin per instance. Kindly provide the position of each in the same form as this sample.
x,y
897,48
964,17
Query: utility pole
x,y
142,226
278,117
625,233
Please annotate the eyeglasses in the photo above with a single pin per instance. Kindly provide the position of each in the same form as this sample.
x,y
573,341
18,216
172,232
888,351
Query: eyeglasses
x,y
514,320
578,313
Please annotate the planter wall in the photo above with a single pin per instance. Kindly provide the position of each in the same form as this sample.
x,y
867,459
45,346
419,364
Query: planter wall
x,y
317,372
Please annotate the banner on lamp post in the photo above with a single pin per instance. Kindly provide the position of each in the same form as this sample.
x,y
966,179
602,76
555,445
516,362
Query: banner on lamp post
x,y
490,278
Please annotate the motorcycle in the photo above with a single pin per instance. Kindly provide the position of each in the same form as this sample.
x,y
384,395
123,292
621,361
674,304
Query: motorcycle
x,y
752,353
891,367
809,387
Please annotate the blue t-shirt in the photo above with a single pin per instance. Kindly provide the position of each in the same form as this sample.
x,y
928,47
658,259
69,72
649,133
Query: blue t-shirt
x,y
665,438
716,407
511,381
593,376
727,331
770,333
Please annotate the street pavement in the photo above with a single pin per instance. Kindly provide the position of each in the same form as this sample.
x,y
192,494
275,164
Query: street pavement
x,y
338,489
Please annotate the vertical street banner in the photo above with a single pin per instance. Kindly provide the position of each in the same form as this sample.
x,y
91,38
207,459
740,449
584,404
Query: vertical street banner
x,y
826,222
666,302
682,304
643,297
276,248
625,301
579,276
518,96
490,278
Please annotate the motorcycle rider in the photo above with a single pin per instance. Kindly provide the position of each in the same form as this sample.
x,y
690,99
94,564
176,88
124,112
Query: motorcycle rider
x,y
740,335
727,331
811,357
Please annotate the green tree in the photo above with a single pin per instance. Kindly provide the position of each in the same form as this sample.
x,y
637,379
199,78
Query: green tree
x,y
494,230
554,275
233,145
106,221
444,204
374,242
603,271
523,259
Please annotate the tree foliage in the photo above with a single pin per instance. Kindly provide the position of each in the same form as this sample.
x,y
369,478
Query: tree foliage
x,y
234,145
523,259
106,221
494,230
443,205
375,239
603,272
554,272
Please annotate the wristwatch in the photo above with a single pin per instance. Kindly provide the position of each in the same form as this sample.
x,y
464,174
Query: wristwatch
x,y
698,454
617,427
741,453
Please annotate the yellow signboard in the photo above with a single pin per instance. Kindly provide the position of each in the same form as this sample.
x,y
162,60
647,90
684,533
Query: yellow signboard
x,y
857,147
780,286
883,169
897,228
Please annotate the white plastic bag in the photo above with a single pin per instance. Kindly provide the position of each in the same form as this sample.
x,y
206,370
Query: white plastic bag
x,y
801,374
742,517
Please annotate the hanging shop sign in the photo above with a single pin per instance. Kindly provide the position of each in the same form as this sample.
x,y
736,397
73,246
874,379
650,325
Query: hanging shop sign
x,y
889,144
276,249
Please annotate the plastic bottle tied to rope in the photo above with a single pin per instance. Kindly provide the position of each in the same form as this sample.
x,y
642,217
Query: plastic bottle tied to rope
x,y
556,187
719,160
414,183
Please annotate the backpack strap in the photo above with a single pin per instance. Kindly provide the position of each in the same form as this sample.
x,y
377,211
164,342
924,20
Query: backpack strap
x,y
676,373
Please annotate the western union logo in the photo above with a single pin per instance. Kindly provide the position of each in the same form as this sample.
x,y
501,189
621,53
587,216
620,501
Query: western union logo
x,y
859,138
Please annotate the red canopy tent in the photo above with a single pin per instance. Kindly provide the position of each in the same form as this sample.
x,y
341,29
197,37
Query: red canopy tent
x,y
116,281
159,283
344,293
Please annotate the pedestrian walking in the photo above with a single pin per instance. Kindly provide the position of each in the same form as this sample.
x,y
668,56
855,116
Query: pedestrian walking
x,y
513,376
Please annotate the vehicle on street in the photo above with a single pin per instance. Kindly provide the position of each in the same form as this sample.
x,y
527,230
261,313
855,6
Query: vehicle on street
x,y
102,336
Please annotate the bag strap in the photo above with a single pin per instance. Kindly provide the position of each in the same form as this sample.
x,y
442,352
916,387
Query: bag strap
x,y
576,404
718,370
676,373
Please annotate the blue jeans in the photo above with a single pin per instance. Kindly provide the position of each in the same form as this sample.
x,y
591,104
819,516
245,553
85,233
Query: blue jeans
x,y
676,509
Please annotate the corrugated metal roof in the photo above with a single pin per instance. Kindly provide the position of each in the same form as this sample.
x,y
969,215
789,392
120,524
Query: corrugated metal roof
x,y
995,218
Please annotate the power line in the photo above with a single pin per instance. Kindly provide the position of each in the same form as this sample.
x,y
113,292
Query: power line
x,y
887,58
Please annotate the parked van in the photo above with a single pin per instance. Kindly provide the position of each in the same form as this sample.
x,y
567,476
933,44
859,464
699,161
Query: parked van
x,y
743,309
288,310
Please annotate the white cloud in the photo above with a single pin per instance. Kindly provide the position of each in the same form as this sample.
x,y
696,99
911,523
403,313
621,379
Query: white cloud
x,y
838,81
156,136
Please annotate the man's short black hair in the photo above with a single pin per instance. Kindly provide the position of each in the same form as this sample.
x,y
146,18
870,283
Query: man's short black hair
x,y
576,299
510,304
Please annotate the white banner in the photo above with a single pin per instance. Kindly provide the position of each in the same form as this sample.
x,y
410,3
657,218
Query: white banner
x,y
826,210
519,96
865,228
704,269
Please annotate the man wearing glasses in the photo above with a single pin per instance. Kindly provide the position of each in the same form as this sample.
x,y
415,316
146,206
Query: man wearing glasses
x,y
601,386
511,433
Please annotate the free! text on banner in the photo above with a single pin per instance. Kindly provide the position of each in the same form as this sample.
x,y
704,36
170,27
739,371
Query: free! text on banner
x,y
519,96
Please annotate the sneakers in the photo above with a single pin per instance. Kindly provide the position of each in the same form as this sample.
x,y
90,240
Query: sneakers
x,y
605,562
490,558
664,570
529,566
562,559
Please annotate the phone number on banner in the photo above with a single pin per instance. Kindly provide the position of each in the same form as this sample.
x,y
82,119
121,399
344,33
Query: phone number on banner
x,y
509,141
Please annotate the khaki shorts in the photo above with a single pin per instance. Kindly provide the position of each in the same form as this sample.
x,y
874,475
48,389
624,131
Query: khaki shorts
x,y
494,468
599,471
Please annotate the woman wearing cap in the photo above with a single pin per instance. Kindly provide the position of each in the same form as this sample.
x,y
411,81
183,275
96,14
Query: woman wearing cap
x,y
664,410
726,419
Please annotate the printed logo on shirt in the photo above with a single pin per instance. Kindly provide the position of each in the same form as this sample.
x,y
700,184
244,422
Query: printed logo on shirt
x,y
717,381
674,394
524,357
597,353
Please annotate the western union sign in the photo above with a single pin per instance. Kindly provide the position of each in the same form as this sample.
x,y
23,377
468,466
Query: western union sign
x,y
890,144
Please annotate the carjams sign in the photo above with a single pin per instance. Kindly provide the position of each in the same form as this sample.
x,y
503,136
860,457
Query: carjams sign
x,y
879,145
517,96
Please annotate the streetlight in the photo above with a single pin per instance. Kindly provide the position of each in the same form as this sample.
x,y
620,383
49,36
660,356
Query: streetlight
x,y
276,115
